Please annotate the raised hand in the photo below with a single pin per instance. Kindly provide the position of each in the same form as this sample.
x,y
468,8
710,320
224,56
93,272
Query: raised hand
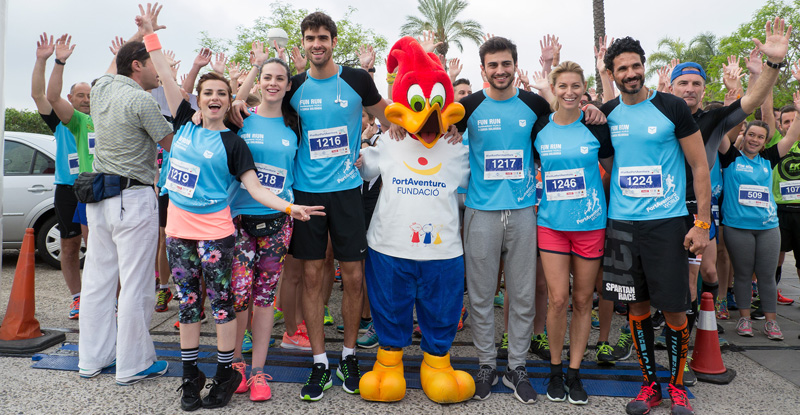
x,y
116,44
147,20
234,70
776,43
428,41
732,77
280,52
258,54
366,56
732,95
796,70
753,62
218,65
298,59
486,37
600,53
540,81
203,58
664,74
170,55
522,76
733,62
796,99
548,44
454,68
45,47
63,48
556,53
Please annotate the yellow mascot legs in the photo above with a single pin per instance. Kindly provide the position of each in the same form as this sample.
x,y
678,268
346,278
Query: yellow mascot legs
x,y
385,383
441,383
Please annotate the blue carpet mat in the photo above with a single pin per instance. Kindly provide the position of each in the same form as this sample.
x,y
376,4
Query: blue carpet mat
x,y
622,380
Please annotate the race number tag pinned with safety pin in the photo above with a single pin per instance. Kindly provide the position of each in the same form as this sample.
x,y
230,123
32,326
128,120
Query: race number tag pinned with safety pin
x,y
74,164
751,195
641,181
790,190
182,177
328,142
502,165
270,177
91,141
565,184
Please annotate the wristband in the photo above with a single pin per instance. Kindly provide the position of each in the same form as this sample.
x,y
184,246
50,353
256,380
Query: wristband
x,y
778,65
584,107
390,78
371,70
289,209
151,42
60,62
702,225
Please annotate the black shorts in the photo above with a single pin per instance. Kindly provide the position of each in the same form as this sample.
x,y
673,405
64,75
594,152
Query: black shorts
x,y
645,260
344,217
65,204
789,222
163,203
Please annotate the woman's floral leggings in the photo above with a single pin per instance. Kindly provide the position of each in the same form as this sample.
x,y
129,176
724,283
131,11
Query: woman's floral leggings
x,y
190,260
257,265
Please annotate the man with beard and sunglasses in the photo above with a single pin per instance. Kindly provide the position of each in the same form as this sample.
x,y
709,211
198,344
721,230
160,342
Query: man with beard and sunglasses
x,y
649,229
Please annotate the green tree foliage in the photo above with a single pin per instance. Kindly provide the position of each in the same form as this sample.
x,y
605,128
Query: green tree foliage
x,y
740,43
701,49
25,121
351,36
441,18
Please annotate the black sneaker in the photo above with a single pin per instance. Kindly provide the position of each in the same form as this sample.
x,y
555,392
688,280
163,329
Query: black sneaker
x,y
318,382
349,373
620,308
605,354
758,314
577,395
624,346
517,380
555,388
484,380
190,392
220,393
540,346
658,320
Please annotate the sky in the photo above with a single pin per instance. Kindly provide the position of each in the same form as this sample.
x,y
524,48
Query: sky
x,y
94,23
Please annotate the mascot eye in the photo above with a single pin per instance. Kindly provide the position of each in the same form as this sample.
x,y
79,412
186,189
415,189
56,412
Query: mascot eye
x,y
415,98
438,94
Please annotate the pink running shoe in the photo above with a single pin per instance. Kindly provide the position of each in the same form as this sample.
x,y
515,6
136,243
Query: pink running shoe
x,y
241,367
259,388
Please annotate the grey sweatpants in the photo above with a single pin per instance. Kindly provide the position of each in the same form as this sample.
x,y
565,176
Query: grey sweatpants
x,y
754,252
488,236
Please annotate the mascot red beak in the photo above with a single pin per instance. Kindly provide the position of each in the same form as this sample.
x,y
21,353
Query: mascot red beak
x,y
422,93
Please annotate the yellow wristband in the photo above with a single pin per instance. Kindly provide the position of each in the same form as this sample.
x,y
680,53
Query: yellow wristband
x,y
702,225
289,209
390,78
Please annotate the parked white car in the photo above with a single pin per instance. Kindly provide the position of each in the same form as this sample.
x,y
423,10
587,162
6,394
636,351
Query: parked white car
x,y
28,191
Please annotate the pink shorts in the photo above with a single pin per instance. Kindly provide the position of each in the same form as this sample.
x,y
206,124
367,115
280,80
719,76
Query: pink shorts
x,y
585,244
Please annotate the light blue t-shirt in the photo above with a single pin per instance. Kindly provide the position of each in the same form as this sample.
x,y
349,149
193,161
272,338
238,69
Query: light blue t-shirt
x,y
465,141
502,172
748,201
67,167
330,121
573,198
274,146
648,180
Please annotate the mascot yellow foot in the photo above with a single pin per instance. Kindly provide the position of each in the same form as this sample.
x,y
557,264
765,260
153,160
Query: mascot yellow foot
x,y
441,383
385,383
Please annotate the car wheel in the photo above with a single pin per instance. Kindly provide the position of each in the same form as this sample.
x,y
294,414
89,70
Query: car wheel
x,y
48,243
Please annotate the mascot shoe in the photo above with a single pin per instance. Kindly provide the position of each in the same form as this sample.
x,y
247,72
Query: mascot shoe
x,y
441,383
385,383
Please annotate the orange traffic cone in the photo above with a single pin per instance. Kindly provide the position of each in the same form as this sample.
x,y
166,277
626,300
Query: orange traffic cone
x,y
707,358
19,323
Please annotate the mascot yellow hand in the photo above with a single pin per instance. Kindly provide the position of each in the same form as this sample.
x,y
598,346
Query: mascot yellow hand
x,y
385,383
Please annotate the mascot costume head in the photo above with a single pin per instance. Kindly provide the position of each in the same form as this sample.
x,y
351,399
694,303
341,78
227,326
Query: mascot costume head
x,y
423,106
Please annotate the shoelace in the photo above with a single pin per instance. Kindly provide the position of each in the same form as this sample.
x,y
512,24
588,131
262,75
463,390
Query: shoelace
x,y
576,385
605,348
542,342
625,339
239,366
646,393
350,366
522,374
485,374
301,334
504,342
162,296
318,376
259,379
772,326
678,396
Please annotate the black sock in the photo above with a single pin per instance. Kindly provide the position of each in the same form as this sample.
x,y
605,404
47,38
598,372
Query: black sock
x,y
366,320
691,316
644,339
573,373
556,369
778,275
189,358
677,348
224,365
711,287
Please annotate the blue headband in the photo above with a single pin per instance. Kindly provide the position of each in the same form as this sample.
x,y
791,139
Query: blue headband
x,y
688,68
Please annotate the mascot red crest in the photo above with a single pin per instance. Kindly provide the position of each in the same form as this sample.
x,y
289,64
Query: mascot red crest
x,y
422,93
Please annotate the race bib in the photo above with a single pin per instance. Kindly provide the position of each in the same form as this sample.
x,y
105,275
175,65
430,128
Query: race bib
x,y
790,190
74,165
565,184
328,142
182,177
90,137
270,177
502,165
751,195
715,214
641,181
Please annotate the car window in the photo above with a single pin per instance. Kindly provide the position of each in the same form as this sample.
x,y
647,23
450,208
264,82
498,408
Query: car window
x,y
18,158
43,164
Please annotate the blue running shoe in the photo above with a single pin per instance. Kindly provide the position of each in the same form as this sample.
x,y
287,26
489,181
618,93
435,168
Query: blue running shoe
x,y
155,370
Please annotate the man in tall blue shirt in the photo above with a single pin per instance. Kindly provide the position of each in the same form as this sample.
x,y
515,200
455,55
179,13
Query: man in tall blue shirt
x,y
329,99
648,224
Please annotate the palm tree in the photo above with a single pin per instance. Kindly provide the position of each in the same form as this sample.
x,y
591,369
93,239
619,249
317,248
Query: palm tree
x,y
701,49
441,18
599,19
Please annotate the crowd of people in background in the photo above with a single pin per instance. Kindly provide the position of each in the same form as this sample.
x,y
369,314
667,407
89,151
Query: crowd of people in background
x,y
614,202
